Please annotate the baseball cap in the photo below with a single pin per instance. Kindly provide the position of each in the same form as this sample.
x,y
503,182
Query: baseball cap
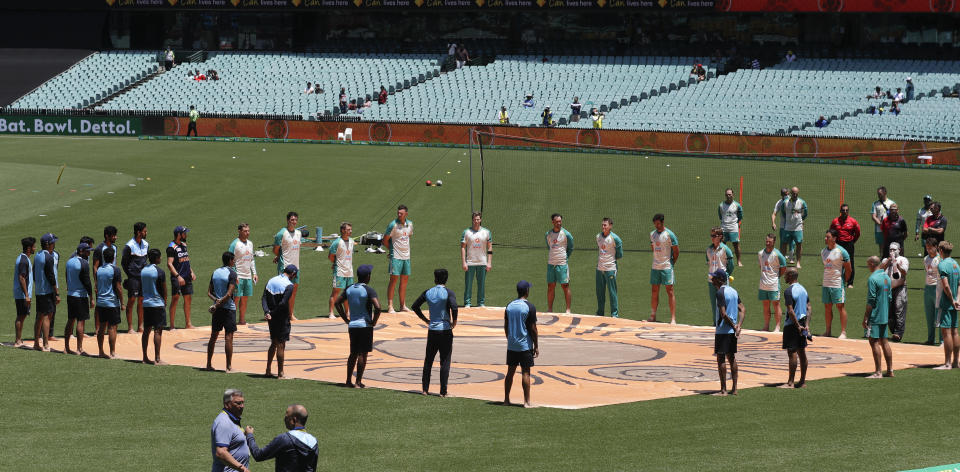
x,y
48,238
290,269
364,270
83,247
180,229
719,274
908,79
523,285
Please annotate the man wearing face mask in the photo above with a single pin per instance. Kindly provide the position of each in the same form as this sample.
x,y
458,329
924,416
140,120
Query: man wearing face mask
x,y
896,266
894,229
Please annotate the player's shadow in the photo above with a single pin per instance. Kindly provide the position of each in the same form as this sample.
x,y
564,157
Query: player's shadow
x,y
500,403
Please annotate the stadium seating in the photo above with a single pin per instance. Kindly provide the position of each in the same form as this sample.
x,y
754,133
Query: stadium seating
x,y
273,83
91,80
636,92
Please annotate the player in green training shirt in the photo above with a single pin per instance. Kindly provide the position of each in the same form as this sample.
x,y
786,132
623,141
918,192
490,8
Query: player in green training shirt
x,y
948,305
876,316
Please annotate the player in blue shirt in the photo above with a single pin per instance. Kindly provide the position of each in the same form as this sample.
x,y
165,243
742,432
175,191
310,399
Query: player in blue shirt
x,y
443,318
728,319
79,299
154,288
109,301
520,328
223,284
134,258
23,285
48,292
795,325
109,241
364,313
276,309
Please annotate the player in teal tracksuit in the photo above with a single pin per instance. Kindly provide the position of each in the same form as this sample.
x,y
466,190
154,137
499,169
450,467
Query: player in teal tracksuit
x,y
610,249
719,256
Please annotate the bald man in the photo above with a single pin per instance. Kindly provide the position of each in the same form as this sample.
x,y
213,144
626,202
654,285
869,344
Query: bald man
x,y
295,450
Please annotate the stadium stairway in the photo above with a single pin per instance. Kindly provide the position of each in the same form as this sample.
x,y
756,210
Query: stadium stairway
x,y
127,88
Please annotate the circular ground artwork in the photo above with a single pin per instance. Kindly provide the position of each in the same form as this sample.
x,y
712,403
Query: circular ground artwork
x,y
774,356
498,324
413,375
328,326
657,373
554,350
699,337
244,344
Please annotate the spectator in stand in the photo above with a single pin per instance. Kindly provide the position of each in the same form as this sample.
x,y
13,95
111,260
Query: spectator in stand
x,y
895,108
316,88
528,103
502,116
790,57
898,97
382,96
189,75
309,89
597,118
168,59
462,56
575,110
213,74
755,64
547,116
822,122
352,105
452,49
909,90
848,232
699,72
936,223
876,95
894,229
343,100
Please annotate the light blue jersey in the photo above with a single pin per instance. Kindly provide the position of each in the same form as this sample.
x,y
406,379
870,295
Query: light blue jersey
x,y
795,296
519,314
107,276
727,297
151,278
43,263
439,299
221,279
22,265
360,296
78,277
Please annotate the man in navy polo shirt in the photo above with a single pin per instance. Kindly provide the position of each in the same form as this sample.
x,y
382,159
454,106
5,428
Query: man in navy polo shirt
x,y
443,318
228,443
364,313
79,299
223,284
181,275
154,303
520,327
48,293
23,286
133,260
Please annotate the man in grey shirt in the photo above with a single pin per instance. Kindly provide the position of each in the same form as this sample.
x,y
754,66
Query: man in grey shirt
x,y
227,441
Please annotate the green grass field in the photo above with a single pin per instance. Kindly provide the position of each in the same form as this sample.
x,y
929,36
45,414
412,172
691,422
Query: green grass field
x,y
73,413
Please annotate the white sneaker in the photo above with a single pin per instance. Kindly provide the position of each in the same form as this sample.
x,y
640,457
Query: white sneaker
x,y
371,249
332,316
842,336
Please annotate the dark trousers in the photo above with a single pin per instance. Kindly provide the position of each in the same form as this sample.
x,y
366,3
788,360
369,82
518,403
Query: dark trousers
x,y
441,341
343,107
898,312
192,127
848,246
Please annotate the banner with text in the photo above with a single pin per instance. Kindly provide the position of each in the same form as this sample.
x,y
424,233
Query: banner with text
x,y
413,4
70,125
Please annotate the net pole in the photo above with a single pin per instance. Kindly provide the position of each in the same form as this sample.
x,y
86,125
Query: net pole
x,y
482,181
470,161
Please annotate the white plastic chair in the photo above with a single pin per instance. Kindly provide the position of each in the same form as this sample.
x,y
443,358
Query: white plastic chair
x,y
346,135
